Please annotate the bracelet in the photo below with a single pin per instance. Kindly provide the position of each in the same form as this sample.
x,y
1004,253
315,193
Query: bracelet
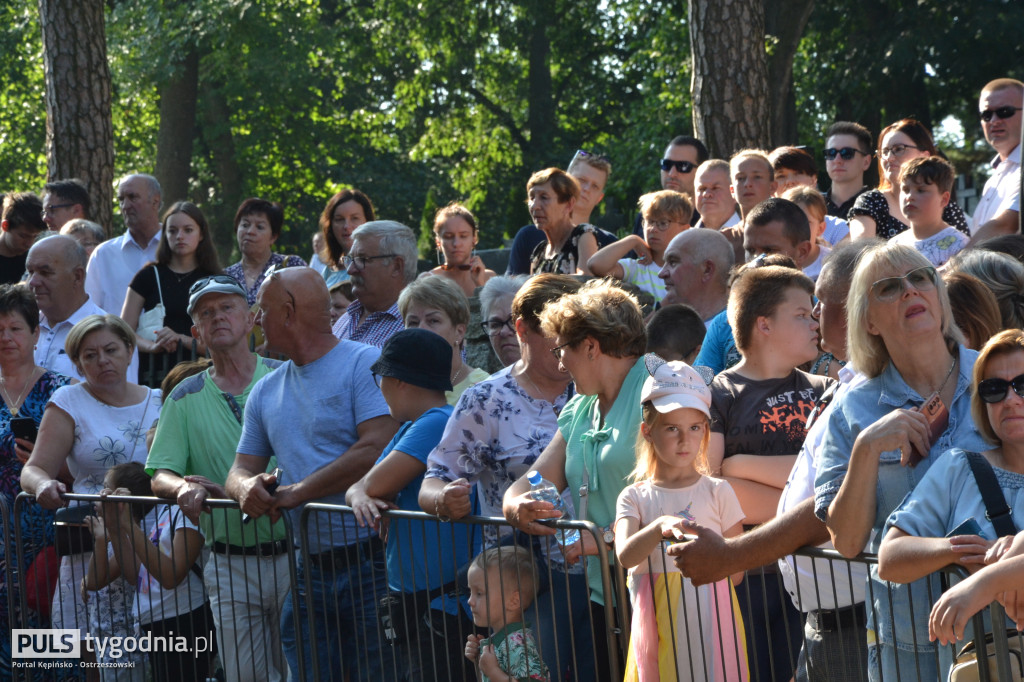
x,y
437,507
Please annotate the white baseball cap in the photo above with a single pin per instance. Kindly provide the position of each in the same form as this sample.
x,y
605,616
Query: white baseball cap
x,y
674,385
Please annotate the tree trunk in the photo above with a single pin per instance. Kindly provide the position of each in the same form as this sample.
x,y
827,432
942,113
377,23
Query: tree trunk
x,y
785,21
216,133
79,131
177,128
730,75
541,118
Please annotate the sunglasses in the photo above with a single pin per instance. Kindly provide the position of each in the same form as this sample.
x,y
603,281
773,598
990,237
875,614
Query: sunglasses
x,y
846,153
889,289
207,281
1001,112
680,166
995,390
584,154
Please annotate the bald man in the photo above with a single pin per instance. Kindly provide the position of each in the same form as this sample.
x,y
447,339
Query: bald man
x,y
326,434
56,269
115,261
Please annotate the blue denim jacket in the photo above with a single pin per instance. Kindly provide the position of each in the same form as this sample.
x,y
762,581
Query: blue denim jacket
x,y
857,409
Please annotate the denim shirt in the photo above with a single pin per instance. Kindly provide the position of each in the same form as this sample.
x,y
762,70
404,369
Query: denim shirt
x,y
857,409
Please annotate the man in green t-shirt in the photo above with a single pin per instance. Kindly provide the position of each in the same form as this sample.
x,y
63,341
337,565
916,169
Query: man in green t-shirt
x,y
197,435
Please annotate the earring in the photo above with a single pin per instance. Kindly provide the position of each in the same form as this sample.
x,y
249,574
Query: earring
x,y
438,253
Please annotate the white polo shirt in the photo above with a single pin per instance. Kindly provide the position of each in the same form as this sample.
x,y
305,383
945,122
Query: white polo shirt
x,y
809,581
111,268
50,351
1002,191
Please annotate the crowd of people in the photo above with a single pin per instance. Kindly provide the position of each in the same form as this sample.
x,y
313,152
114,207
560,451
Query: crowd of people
x,y
756,365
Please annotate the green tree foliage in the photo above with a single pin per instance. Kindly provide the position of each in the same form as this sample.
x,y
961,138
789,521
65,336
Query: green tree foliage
x,y
434,101
877,61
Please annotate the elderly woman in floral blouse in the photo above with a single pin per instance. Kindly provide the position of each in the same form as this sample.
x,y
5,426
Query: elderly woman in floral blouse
x,y
499,428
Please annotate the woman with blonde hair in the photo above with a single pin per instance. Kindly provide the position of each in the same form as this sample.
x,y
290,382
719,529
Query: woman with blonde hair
x,y
91,427
600,339
975,308
1001,274
885,434
437,304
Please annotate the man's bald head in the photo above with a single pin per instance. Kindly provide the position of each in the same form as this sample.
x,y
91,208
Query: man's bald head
x,y
67,249
294,309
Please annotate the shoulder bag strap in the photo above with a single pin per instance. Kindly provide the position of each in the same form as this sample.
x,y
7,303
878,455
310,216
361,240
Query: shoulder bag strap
x,y
996,509
159,290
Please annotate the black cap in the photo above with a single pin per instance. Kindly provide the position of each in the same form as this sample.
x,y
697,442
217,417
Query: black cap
x,y
418,357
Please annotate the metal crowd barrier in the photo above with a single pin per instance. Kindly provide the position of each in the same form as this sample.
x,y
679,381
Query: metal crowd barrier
x,y
339,610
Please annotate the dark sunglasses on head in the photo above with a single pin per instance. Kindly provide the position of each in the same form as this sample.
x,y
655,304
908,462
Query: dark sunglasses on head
x,y
995,390
1001,112
584,154
207,281
846,153
681,166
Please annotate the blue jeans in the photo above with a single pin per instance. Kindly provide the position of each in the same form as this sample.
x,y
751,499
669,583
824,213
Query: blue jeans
x,y
344,599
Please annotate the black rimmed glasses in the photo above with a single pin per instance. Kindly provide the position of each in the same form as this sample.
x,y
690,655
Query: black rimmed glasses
x,y
50,208
995,390
557,350
360,261
376,379
680,166
845,153
895,150
999,112
493,326
888,289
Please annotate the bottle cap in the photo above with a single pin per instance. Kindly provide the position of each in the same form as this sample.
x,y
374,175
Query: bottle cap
x,y
534,477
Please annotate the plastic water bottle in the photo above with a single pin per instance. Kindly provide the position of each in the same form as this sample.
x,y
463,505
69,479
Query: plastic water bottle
x,y
543,490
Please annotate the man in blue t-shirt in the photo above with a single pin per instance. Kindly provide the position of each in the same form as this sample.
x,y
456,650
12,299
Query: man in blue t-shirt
x,y
323,417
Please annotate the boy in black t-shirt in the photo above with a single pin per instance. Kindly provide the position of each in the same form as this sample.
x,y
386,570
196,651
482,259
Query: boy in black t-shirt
x,y
22,222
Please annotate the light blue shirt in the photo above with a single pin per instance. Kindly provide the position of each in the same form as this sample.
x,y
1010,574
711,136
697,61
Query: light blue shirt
x,y
308,417
853,412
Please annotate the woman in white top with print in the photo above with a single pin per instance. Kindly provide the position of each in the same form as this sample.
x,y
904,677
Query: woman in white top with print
x,y
91,427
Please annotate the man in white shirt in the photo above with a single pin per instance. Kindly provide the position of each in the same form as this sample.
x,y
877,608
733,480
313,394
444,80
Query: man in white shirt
x,y
56,269
115,261
998,212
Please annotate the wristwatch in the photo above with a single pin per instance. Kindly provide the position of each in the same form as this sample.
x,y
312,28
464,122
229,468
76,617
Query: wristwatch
x,y
609,536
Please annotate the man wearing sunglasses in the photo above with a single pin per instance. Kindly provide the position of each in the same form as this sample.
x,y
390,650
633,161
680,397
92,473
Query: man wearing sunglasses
x,y
847,157
999,108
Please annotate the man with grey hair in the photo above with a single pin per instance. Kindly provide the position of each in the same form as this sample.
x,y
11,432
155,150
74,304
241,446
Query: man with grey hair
x,y
380,263
56,269
115,262
696,271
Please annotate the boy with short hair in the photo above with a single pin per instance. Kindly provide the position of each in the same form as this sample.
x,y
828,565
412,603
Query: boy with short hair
x,y
665,214
676,332
502,584
925,186
848,154
753,179
21,224
825,229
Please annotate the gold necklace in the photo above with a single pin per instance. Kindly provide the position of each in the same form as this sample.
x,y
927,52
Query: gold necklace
x,y
455,379
15,406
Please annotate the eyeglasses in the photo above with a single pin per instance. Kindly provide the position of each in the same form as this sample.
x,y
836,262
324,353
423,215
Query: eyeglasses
x,y
846,153
360,261
1001,112
233,404
660,225
376,379
895,150
207,281
48,210
680,166
995,390
494,326
889,289
557,350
